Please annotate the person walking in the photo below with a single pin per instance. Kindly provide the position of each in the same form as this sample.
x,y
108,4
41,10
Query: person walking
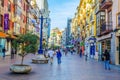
x,y
12,53
59,55
66,51
80,52
3,50
86,55
107,59
51,55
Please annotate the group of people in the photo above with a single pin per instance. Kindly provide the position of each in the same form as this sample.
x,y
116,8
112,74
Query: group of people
x,y
51,53
13,51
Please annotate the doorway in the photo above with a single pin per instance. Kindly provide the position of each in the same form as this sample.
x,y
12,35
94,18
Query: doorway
x,y
119,50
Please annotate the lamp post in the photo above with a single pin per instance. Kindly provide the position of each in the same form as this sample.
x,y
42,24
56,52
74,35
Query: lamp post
x,y
40,51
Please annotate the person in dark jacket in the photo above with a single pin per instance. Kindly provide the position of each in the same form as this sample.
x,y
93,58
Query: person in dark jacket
x,y
12,53
107,59
80,52
3,50
59,55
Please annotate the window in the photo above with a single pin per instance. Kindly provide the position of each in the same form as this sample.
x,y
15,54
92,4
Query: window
x,y
9,6
118,19
102,17
2,3
1,21
110,16
24,7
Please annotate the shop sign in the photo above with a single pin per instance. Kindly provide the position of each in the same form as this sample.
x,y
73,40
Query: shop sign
x,y
6,22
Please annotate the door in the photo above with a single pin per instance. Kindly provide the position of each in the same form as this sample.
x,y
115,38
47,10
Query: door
x,y
119,50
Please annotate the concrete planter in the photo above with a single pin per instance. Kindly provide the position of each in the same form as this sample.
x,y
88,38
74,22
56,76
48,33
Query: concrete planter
x,y
17,68
40,59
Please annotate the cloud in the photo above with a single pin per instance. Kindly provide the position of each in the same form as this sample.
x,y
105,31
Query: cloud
x,y
60,13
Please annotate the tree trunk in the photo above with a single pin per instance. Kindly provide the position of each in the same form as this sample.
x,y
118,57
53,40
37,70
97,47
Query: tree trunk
x,y
22,60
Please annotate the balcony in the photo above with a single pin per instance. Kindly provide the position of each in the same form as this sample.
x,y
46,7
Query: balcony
x,y
105,4
106,27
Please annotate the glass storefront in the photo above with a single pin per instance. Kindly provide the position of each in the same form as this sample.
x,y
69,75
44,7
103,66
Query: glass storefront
x,y
2,45
106,44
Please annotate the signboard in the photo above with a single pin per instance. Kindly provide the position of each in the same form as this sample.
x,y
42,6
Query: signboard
x,y
6,22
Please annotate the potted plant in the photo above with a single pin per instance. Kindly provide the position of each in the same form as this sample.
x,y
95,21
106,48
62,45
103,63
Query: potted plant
x,y
27,43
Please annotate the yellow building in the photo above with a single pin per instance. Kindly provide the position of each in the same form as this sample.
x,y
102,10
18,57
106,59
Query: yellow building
x,y
55,38
86,20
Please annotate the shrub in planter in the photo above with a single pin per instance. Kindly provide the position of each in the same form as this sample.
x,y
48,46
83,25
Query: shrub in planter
x,y
27,43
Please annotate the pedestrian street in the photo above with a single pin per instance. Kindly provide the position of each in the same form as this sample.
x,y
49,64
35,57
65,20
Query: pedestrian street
x,y
72,68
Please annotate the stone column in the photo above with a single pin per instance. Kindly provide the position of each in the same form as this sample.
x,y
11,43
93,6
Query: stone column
x,y
106,18
117,51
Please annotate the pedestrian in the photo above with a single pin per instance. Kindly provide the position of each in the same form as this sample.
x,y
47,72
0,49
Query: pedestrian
x,y
71,50
86,55
66,51
51,55
107,60
12,53
3,51
80,52
59,55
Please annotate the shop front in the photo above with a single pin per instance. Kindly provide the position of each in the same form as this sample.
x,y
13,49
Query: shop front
x,y
2,42
103,43
91,46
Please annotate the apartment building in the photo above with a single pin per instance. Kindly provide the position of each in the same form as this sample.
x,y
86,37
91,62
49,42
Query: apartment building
x,y
16,17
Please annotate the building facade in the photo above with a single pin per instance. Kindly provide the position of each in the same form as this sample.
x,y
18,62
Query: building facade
x,y
99,20
17,17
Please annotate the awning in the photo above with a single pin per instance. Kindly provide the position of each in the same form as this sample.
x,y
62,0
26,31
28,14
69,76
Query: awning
x,y
3,35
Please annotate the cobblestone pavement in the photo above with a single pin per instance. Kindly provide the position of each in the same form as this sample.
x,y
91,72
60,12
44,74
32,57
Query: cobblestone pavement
x,y
72,68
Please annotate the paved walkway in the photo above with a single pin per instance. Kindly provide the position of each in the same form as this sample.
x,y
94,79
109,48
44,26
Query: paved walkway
x,y
72,68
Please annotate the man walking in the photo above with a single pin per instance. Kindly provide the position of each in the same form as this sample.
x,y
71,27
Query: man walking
x,y
51,55
59,55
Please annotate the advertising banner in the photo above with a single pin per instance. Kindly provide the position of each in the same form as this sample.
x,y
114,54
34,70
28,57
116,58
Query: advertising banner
x,y
6,22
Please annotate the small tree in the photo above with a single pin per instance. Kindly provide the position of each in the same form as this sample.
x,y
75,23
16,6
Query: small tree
x,y
28,43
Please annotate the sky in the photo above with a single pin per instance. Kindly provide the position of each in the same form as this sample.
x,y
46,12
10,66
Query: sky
x,y
61,10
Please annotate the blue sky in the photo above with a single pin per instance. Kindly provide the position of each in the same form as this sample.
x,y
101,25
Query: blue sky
x,y
61,10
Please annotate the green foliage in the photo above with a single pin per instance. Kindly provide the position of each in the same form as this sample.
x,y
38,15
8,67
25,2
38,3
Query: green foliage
x,y
15,43
81,43
28,43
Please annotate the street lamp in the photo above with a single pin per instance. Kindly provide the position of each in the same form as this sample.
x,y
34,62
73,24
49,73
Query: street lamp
x,y
40,58
40,51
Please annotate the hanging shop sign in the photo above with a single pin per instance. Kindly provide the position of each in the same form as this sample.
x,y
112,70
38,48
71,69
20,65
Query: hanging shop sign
x,y
6,22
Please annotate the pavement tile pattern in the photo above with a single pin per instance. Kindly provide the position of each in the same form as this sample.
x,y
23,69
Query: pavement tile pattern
x,y
72,68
